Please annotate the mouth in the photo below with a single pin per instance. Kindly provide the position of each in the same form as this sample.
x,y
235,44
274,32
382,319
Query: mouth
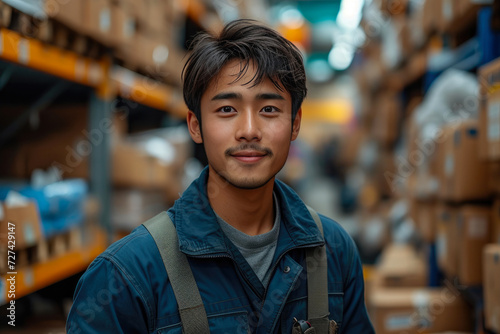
x,y
249,156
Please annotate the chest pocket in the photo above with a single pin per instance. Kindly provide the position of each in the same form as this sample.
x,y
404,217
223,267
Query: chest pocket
x,y
227,323
298,308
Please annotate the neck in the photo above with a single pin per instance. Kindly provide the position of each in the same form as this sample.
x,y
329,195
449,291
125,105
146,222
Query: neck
x,y
249,210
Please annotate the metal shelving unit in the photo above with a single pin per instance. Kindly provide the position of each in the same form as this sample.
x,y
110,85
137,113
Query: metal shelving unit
x,y
106,82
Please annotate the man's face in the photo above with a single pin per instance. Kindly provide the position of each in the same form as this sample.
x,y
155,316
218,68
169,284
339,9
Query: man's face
x,y
246,130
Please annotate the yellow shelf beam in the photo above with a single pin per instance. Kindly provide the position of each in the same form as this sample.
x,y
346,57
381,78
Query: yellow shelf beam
x,y
147,91
69,65
50,59
41,275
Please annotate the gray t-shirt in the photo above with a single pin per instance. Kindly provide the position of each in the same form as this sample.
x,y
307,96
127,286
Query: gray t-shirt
x,y
258,250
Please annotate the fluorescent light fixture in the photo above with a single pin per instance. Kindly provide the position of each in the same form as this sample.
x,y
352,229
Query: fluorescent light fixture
x,y
292,18
350,14
341,56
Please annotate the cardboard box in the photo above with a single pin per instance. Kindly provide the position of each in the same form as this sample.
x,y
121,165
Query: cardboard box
x,y
123,24
401,266
495,221
159,57
63,140
68,12
156,13
474,232
418,310
491,285
450,11
494,177
465,175
446,239
431,14
489,112
490,116
28,226
386,166
434,150
132,167
138,9
426,221
98,20
467,6
132,207
386,123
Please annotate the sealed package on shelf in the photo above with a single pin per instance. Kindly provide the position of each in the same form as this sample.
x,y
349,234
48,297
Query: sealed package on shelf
x,y
20,215
489,115
451,100
474,233
464,176
491,283
58,198
413,310
61,205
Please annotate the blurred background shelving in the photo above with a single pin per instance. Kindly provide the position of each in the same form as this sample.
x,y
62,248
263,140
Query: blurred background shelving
x,y
400,142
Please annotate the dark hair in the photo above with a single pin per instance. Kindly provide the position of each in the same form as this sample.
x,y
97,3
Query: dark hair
x,y
275,58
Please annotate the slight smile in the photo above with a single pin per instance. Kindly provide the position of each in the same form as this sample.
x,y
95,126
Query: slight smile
x,y
249,156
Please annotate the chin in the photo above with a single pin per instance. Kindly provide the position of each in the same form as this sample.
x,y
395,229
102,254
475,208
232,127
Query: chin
x,y
247,183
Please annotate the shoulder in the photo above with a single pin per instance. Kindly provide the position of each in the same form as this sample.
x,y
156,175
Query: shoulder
x,y
335,234
134,257
139,244
341,249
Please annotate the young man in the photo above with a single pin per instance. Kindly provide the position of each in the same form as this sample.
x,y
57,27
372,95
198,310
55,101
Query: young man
x,y
245,233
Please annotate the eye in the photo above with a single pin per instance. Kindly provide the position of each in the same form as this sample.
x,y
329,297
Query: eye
x,y
269,109
226,109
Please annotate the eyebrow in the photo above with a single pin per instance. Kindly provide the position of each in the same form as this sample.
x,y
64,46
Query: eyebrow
x,y
227,96
269,96
238,96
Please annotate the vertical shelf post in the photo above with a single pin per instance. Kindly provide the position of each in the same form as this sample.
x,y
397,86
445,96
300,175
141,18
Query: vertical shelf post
x,y
100,123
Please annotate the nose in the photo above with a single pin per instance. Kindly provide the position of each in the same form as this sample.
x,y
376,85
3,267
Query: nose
x,y
248,127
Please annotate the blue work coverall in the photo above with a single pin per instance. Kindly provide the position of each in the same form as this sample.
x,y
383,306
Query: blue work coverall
x,y
126,288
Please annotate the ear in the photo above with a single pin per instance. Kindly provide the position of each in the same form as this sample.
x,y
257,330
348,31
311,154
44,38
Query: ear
x,y
296,124
194,127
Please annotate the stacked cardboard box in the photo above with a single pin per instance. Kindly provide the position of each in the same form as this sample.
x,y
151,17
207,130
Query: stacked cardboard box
x,y
447,239
425,213
451,179
489,115
67,12
65,141
157,37
123,26
464,176
495,221
399,301
419,310
491,258
132,206
449,11
25,221
463,228
385,125
400,266
473,226
431,15
20,227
